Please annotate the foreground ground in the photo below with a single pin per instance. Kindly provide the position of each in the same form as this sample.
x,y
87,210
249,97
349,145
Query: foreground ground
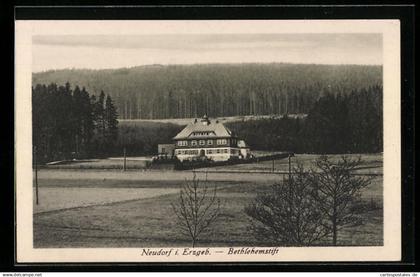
x,y
93,208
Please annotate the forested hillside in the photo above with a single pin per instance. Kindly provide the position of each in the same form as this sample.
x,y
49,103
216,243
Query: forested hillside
x,y
336,124
68,122
184,91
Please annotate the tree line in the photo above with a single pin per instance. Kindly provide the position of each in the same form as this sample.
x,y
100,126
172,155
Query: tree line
x,y
186,91
337,123
350,123
70,123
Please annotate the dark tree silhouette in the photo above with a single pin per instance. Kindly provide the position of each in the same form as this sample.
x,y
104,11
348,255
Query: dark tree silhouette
x,y
69,123
337,192
312,206
180,91
111,122
287,214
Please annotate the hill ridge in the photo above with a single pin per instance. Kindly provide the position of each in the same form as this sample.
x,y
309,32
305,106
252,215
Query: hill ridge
x,y
219,89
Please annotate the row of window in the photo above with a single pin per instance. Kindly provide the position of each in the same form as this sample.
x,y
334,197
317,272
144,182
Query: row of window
x,y
217,151
202,134
202,142
182,143
207,151
186,152
221,141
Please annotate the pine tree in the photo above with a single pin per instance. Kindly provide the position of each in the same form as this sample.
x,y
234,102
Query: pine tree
x,y
76,112
68,123
100,115
87,124
111,122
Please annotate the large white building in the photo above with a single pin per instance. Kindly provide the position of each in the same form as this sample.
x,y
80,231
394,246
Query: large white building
x,y
211,139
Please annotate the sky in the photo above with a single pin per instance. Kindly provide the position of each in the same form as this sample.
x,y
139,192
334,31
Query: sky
x,y
117,51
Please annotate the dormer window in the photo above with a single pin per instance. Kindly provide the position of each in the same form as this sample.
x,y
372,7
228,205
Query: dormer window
x,y
198,134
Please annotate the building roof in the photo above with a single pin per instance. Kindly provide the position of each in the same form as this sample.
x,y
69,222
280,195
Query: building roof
x,y
204,128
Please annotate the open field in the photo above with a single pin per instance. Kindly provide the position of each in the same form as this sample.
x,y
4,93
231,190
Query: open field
x,y
110,163
111,208
144,177
149,223
372,163
60,198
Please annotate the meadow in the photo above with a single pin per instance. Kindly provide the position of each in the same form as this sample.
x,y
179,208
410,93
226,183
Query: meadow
x,y
371,163
111,208
110,163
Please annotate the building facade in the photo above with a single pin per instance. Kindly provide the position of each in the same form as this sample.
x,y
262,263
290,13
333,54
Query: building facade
x,y
210,139
166,150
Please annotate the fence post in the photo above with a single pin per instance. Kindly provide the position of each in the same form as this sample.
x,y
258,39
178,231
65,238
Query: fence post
x,y
290,168
125,160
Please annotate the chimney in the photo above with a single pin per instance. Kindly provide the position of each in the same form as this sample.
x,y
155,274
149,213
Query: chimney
x,y
205,120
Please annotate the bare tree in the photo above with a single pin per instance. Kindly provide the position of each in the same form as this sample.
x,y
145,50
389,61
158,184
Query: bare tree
x,y
197,208
337,191
312,205
287,214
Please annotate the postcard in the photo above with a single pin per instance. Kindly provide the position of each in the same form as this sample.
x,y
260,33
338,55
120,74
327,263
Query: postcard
x,y
207,141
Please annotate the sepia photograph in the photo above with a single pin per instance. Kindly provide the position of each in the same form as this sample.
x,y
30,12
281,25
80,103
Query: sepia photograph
x,y
208,140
